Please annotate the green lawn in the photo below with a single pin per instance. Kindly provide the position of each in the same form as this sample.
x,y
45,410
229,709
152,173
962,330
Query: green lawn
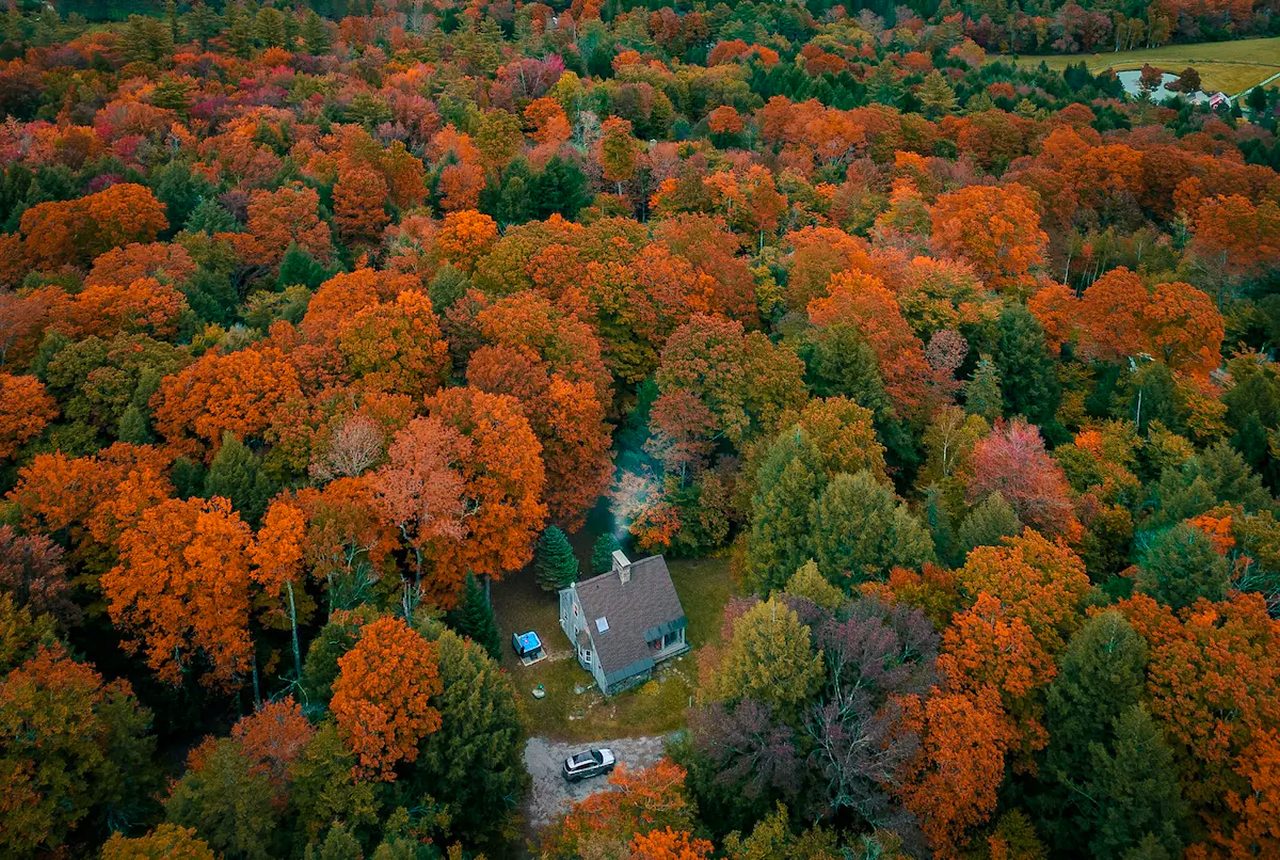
x,y
656,707
1231,66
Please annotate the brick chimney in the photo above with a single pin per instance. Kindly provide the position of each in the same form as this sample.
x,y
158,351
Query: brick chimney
x,y
622,566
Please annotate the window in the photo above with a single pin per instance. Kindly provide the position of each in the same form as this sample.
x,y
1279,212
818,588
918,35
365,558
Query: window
x,y
602,624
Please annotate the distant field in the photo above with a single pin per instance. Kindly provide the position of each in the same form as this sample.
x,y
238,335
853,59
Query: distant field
x,y
1227,66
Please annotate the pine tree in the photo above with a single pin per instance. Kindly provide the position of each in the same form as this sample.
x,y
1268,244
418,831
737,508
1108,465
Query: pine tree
x,y
982,395
780,540
602,552
557,567
1135,787
1027,379
474,764
133,426
936,95
299,267
315,35
236,474
1101,674
861,531
474,618
1181,566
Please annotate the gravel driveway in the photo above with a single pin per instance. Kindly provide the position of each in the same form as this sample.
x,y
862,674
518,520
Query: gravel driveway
x,y
550,796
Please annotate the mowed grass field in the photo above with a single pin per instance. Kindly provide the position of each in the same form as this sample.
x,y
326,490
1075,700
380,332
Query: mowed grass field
x,y
1231,67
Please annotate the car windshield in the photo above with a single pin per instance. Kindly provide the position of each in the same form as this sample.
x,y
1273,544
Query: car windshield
x,y
583,759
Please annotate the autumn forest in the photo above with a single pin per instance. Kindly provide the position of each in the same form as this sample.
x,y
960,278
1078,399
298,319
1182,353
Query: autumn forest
x,y
323,325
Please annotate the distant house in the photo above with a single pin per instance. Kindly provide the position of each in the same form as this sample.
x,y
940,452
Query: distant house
x,y
1219,99
624,622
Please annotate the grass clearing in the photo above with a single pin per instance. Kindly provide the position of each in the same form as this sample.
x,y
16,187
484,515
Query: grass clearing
x,y
655,707
1231,66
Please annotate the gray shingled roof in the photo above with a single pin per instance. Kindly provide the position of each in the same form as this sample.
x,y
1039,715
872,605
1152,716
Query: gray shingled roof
x,y
635,610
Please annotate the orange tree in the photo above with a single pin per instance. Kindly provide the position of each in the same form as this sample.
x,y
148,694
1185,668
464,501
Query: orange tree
x,y
382,696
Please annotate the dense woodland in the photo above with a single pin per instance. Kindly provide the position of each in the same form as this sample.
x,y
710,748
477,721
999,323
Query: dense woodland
x,y
314,328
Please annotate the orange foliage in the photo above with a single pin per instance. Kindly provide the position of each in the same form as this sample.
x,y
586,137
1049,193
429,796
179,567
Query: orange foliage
x,y
464,237
25,410
243,392
861,300
382,696
358,204
76,231
144,306
160,260
341,297
1214,684
277,219
995,229
395,347
91,498
503,479
950,783
1040,581
181,590
668,844
639,802
272,737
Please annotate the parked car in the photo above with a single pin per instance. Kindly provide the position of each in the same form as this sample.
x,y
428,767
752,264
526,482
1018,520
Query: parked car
x,y
585,765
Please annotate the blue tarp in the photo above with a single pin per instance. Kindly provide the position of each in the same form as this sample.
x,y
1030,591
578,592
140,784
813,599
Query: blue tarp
x,y
525,643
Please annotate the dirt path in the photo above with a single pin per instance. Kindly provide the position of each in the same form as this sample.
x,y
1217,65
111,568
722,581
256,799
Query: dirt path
x,y
550,796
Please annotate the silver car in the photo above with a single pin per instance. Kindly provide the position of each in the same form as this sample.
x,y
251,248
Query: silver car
x,y
585,765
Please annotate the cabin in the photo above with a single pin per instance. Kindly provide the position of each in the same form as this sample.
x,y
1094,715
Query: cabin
x,y
624,622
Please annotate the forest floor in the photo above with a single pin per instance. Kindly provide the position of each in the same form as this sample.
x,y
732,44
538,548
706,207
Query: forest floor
x,y
1231,67
573,710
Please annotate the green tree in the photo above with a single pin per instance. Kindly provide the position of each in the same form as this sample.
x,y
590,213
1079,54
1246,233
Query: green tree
x,y
315,34
769,658
861,530
228,804
936,95
556,564
236,474
74,753
602,552
839,361
809,583
1181,566
181,190
209,216
299,267
474,618
982,395
1028,383
324,792
1133,785
788,482
474,765
1101,674
987,523
338,844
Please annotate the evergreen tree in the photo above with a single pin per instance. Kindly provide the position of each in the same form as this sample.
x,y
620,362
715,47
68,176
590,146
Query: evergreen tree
x,y
769,658
474,618
134,427
1101,675
861,531
982,394
299,267
788,483
1027,379
936,95
236,474
560,188
1133,784
1181,566
987,522
338,844
602,552
315,34
839,361
210,217
555,562
474,765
